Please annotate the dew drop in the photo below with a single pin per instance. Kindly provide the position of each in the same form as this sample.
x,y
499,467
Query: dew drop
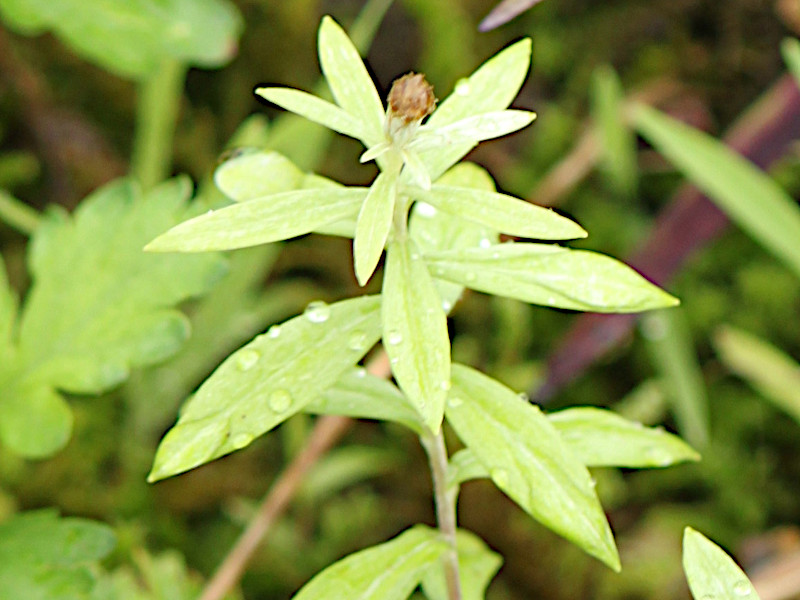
x,y
485,242
551,300
463,88
657,456
240,440
317,311
274,331
279,400
361,372
425,210
415,256
246,359
454,402
394,337
470,276
445,385
447,306
500,477
524,397
742,588
357,341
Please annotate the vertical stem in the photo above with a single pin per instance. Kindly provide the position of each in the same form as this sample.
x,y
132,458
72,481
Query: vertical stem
x,y
445,510
156,114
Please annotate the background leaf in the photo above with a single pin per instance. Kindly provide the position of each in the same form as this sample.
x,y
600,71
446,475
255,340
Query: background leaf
x,y
267,381
527,459
477,565
115,307
389,571
710,572
132,37
46,557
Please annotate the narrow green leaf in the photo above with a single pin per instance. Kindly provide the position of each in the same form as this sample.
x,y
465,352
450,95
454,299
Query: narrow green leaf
x,y
346,466
389,571
671,347
267,381
260,221
790,50
477,564
771,372
465,466
528,460
600,438
747,195
471,130
47,557
415,332
551,276
711,573
363,396
492,87
349,80
373,225
318,110
435,230
256,174
616,141
502,213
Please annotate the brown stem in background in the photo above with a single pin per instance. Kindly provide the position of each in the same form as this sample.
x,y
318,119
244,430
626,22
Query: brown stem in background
x,y
327,431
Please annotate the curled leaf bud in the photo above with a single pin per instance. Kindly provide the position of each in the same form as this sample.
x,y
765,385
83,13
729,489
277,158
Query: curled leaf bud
x,y
411,98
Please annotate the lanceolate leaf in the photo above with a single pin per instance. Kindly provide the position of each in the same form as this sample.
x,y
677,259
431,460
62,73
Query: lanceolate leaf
x,y
389,571
349,80
502,213
472,130
132,38
318,110
267,381
254,174
373,225
747,195
600,438
528,460
114,307
260,221
551,276
712,573
477,564
415,332
363,396
47,557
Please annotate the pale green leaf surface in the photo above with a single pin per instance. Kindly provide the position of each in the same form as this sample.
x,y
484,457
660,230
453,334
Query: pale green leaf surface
x,y
132,37
527,459
672,350
490,88
552,276
465,466
616,141
260,221
115,307
435,230
373,225
318,110
748,196
790,50
267,381
471,130
415,332
389,571
771,372
363,396
349,80
477,564
257,174
711,573
47,557
502,213
600,438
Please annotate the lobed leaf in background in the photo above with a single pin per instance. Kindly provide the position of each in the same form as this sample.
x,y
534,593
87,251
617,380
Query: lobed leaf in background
x,y
132,37
115,308
47,557
711,573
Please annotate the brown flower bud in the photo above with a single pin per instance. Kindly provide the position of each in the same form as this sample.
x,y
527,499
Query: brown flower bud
x,y
411,98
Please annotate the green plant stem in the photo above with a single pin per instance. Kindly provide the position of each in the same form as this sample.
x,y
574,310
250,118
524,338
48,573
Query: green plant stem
x,y
158,102
17,214
366,24
445,509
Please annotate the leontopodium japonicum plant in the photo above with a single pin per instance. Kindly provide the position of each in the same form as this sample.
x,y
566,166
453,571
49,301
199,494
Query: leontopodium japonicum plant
x,y
439,223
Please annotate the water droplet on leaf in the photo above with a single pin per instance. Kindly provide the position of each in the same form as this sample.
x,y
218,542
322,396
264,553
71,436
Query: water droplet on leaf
x,y
426,210
470,276
357,341
454,402
444,385
247,358
317,311
394,337
500,477
485,242
274,331
463,88
240,440
742,588
279,400
447,305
